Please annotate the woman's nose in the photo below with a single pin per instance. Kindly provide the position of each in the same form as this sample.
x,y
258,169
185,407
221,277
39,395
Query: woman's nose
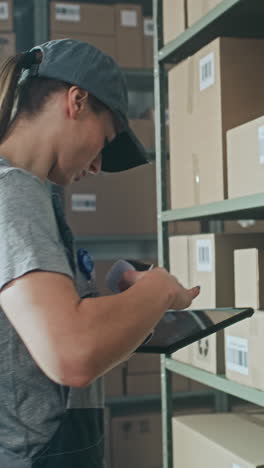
x,y
96,165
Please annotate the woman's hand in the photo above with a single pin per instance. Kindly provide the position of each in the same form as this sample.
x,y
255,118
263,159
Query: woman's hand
x,y
181,298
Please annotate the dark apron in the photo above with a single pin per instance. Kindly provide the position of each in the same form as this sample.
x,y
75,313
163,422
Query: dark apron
x,y
78,443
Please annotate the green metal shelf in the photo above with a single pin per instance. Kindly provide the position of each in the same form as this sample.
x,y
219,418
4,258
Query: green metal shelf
x,y
137,399
218,382
249,207
152,403
231,18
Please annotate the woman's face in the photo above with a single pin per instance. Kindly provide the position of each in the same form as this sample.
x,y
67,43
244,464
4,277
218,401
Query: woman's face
x,y
83,137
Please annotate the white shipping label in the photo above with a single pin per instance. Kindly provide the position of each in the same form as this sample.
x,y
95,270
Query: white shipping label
x,y
235,465
129,18
67,12
83,202
261,144
148,27
4,13
204,255
237,354
207,71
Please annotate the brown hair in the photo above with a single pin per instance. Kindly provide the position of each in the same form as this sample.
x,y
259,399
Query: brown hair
x,y
31,95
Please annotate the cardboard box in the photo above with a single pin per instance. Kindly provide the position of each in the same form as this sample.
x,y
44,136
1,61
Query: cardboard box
x,y
113,204
179,259
174,19
6,16
82,18
184,227
199,8
184,355
115,382
106,43
219,441
148,41
143,364
203,107
7,45
243,226
212,267
129,35
249,277
244,351
147,384
144,130
203,353
136,441
143,384
245,158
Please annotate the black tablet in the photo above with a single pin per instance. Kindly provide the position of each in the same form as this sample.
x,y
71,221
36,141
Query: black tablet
x,y
179,328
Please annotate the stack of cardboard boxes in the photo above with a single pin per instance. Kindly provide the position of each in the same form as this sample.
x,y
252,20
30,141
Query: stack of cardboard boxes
x,y
244,341
119,30
209,94
7,34
217,152
180,14
216,115
113,204
208,260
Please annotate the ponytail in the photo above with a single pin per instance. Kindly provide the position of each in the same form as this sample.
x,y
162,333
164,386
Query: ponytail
x,y
10,74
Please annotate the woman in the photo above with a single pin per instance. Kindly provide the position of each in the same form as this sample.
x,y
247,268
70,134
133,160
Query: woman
x,y
63,114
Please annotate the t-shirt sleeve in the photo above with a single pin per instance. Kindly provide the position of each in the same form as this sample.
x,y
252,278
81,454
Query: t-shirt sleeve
x,y
29,235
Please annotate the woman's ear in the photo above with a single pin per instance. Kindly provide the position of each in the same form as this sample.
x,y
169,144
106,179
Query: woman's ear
x,y
77,99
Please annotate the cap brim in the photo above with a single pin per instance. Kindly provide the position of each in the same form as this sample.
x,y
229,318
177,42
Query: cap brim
x,y
124,152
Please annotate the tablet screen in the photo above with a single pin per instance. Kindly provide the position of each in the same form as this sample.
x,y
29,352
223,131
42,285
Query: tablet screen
x,y
180,328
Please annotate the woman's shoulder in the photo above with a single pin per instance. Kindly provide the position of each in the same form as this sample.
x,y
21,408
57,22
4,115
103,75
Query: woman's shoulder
x,y
14,180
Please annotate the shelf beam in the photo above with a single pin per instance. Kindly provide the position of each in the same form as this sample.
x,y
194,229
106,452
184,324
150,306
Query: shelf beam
x,y
193,38
218,382
250,207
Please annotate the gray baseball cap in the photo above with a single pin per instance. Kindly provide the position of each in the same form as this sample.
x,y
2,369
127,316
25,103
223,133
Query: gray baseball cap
x,y
84,65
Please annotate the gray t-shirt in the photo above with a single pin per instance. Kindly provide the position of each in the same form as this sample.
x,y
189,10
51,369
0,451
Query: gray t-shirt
x,y
33,235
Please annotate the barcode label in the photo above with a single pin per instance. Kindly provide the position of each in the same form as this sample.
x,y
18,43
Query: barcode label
x,y
129,18
207,71
148,27
261,144
67,12
237,354
204,255
4,13
83,202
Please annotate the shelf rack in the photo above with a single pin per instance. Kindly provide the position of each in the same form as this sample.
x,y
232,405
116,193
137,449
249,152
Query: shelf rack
x,y
232,18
